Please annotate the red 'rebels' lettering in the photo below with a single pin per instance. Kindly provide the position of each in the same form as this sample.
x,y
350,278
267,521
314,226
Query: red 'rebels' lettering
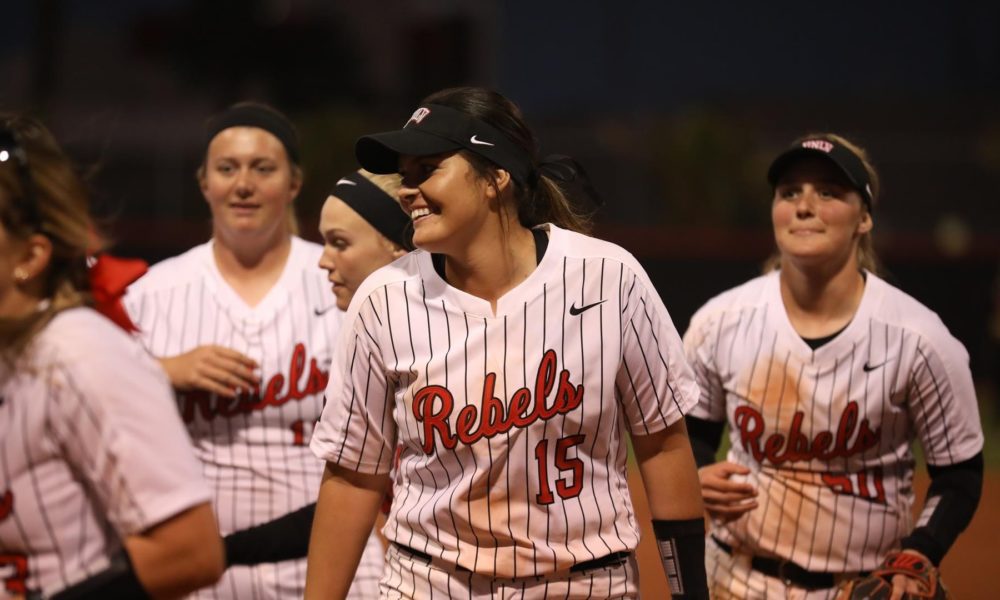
x,y
301,383
779,448
16,564
434,404
6,504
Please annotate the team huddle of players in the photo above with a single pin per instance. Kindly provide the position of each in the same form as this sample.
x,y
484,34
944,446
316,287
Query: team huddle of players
x,y
461,359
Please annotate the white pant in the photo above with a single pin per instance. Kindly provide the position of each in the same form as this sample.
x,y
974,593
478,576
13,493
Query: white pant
x,y
409,577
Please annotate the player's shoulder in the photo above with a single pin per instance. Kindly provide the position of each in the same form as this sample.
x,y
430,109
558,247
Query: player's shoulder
x,y
405,268
79,338
174,271
752,293
579,245
305,253
897,308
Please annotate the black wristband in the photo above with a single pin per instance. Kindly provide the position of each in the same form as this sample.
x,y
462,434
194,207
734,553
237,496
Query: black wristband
x,y
682,551
117,581
284,538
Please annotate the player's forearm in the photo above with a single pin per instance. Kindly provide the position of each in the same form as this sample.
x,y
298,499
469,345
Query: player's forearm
x,y
180,555
669,474
670,478
951,503
345,512
283,538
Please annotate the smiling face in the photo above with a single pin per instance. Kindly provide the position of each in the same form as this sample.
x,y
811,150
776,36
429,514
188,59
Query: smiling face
x,y
249,183
353,249
818,217
451,207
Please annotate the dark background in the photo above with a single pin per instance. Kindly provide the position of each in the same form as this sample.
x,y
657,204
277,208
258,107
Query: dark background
x,y
674,108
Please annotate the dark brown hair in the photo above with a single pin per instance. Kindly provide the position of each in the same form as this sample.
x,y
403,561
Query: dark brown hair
x,y
542,199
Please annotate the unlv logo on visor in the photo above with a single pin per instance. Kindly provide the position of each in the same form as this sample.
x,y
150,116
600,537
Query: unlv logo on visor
x,y
418,116
821,145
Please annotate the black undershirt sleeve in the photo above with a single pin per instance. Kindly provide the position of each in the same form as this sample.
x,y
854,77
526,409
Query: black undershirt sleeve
x,y
956,489
705,438
284,538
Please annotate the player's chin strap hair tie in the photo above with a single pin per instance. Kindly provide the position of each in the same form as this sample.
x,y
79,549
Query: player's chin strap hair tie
x,y
435,129
375,206
567,171
250,114
682,551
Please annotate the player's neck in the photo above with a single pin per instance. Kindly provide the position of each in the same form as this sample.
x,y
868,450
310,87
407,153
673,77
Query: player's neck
x,y
489,269
17,303
251,269
819,302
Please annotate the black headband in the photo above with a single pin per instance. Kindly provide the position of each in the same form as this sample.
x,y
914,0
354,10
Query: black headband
x,y
255,115
436,129
375,206
849,163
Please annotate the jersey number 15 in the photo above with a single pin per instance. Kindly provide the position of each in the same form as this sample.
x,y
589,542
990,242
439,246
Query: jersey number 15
x,y
565,464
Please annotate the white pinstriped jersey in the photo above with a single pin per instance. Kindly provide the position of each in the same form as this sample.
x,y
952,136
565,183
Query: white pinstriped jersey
x,y
827,432
91,451
253,449
512,425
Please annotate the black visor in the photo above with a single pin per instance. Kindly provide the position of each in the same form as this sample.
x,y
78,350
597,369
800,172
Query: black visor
x,y
436,129
848,162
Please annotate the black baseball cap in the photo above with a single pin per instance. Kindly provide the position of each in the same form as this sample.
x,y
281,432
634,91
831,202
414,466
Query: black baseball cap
x,y
437,129
849,163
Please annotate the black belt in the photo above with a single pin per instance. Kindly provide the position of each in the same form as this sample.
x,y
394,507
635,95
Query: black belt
x,y
610,560
785,570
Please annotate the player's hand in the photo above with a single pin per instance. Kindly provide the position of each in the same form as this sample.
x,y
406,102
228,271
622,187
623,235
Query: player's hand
x,y
901,584
214,369
725,499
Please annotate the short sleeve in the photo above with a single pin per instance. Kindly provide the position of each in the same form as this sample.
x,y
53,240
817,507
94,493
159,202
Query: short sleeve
x,y
357,429
654,382
115,417
700,347
941,401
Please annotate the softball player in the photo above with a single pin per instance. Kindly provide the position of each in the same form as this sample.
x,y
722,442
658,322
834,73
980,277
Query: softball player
x,y
244,326
94,501
508,356
825,374
363,228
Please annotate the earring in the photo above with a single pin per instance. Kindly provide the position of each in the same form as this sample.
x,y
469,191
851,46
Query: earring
x,y
20,275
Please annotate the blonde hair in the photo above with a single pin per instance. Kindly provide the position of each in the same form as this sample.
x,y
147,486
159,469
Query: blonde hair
x,y
63,206
389,183
867,258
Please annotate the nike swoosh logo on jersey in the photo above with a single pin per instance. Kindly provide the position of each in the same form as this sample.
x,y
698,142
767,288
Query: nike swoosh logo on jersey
x,y
573,310
868,368
322,311
345,181
479,142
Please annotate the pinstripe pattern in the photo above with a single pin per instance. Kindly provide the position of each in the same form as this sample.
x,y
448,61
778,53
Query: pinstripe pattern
x,y
835,486
81,469
253,449
495,483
